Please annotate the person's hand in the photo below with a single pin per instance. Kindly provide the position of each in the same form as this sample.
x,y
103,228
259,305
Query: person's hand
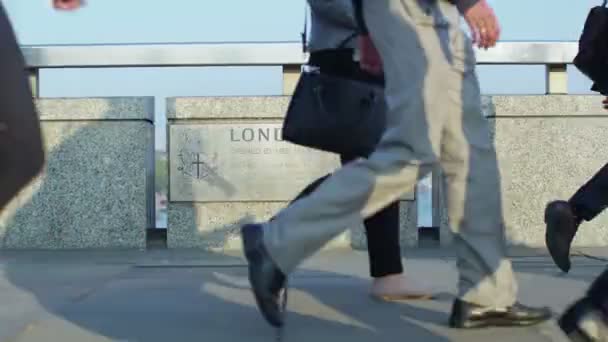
x,y
369,59
483,24
67,5
605,102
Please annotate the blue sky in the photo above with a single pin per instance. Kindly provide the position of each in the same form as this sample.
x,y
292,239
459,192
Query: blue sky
x,y
139,21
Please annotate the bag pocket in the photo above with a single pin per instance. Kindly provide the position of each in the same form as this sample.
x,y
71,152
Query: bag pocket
x,y
463,55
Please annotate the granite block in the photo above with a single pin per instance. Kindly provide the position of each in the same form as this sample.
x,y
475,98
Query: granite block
x,y
547,147
108,108
215,226
95,189
275,107
543,159
546,106
240,162
238,107
214,223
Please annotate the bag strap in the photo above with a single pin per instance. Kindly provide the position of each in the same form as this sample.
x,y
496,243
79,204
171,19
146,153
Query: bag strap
x,y
605,3
350,37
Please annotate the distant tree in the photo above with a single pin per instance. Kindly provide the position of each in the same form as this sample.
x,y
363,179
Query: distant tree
x,y
162,173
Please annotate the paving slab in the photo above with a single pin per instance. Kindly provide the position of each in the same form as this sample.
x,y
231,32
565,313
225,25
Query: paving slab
x,y
197,296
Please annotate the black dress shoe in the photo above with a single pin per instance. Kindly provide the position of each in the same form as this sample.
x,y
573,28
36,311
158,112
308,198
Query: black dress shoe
x,y
265,277
583,322
562,225
466,315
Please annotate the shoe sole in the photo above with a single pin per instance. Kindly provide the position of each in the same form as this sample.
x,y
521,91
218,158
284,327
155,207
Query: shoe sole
x,y
579,336
397,298
497,322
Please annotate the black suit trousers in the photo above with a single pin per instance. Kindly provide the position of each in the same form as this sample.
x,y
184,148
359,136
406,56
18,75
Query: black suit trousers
x,y
592,198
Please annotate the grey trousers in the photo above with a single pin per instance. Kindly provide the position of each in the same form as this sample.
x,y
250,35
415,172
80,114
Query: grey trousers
x,y
434,117
21,147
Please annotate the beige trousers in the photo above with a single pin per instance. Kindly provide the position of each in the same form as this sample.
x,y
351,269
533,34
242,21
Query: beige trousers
x,y
434,117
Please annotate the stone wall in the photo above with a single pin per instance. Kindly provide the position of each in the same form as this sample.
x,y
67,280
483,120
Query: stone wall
x,y
547,147
228,167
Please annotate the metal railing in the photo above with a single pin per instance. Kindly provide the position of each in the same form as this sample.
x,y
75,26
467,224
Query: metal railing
x,y
554,55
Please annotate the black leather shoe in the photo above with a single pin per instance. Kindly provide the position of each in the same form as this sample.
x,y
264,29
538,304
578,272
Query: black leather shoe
x,y
582,322
466,315
266,279
562,225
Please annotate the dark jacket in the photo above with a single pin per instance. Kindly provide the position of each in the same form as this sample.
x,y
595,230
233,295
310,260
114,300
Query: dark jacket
x,y
333,24
592,57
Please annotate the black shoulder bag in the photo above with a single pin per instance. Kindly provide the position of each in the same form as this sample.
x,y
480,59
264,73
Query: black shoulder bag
x,y
335,114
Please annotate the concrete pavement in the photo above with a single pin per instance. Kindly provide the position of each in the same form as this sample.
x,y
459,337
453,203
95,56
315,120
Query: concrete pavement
x,y
166,295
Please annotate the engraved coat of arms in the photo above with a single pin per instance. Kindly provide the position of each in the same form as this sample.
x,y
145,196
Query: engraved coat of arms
x,y
197,165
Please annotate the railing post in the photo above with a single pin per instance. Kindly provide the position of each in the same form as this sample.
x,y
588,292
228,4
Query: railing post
x,y
34,78
557,79
436,190
291,74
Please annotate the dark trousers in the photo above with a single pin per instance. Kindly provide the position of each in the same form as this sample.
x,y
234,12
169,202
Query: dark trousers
x,y
382,229
592,198
595,300
588,202
598,292
21,152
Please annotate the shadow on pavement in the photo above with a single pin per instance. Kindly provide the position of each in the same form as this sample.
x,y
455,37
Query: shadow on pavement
x,y
124,300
